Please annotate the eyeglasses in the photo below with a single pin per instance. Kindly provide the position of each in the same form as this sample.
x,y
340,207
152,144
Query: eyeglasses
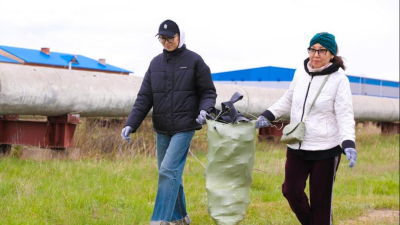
x,y
312,51
168,39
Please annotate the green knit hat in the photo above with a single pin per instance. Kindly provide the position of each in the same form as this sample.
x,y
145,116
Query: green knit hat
x,y
325,39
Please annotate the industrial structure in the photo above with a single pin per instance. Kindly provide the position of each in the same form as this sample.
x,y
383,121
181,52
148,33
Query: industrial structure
x,y
57,131
63,96
278,77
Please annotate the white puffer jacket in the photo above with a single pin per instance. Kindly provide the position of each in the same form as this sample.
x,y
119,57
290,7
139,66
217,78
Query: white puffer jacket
x,y
331,120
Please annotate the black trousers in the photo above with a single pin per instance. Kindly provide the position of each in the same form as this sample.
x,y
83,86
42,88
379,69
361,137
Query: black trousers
x,y
321,173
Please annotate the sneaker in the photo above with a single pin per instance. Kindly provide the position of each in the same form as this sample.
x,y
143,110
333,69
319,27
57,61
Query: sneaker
x,y
184,221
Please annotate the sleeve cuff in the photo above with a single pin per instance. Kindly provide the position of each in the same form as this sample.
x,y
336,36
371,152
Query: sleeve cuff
x,y
134,129
268,114
348,144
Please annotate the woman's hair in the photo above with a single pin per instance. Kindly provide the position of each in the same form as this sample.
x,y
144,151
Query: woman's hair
x,y
338,60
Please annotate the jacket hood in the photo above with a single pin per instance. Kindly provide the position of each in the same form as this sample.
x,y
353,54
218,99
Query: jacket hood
x,y
181,38
331,69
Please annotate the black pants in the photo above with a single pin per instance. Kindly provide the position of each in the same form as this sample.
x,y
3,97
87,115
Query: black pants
x,y
322,177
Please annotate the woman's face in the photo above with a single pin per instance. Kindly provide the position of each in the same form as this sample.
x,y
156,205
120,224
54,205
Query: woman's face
x,y
319,56
170,44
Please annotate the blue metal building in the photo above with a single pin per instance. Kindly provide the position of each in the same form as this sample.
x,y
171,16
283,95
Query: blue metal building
x,y
46,58
278,77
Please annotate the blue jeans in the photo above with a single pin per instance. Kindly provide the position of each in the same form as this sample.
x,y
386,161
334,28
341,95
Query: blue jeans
x,y
172,151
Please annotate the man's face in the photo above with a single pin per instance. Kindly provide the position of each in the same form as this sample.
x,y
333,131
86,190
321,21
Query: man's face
x,y
169,43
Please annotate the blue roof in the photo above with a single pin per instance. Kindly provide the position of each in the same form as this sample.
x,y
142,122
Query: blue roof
x,y
60,59
268,73
8,60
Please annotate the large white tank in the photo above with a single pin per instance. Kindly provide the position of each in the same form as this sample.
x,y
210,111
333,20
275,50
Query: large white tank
x,y
29,90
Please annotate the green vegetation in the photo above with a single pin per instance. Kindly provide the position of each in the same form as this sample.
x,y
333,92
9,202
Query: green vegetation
x,y
118,186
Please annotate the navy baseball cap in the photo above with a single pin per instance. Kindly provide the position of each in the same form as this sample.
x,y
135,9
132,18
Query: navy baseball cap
x,y
168,28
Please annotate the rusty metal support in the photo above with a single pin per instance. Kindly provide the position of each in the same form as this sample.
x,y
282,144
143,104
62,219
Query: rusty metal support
x,y
269,133
4,149
57,132
389,128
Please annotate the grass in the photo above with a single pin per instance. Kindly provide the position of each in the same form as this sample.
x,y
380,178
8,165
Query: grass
x,y
115,183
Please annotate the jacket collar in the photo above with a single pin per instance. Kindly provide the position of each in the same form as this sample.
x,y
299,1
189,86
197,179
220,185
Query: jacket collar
x,y
331,69
176,52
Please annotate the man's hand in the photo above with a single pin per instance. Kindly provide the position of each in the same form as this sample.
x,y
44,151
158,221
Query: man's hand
x,y
201,119
126,131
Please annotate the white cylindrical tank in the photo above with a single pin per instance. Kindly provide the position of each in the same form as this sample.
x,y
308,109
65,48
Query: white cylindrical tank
x,y
29,90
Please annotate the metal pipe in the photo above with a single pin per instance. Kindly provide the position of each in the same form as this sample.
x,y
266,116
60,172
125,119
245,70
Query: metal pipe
x,y
29,90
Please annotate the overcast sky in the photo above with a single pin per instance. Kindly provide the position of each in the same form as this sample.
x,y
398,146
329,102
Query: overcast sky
x,y
229,35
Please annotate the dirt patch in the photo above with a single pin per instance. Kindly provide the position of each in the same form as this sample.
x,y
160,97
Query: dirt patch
x,y
376,217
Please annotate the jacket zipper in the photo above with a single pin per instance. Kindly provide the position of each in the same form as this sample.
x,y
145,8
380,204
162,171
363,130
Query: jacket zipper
x,y
304,104
172,95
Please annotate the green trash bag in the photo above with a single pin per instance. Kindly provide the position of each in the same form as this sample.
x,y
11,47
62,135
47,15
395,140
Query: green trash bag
x,y
229,170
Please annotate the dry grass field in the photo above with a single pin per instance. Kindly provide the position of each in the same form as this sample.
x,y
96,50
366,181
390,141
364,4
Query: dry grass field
x,y
107,181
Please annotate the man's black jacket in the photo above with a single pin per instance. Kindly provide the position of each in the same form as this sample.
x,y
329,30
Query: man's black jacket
x,y
177,85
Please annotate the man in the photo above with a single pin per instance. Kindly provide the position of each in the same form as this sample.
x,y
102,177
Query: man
x,y
179,88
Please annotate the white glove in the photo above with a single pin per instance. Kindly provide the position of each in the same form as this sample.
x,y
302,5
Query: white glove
x,y
201,119
351,155
262,122
126,131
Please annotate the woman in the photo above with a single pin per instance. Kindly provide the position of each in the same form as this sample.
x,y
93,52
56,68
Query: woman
x,y
329,130
179,88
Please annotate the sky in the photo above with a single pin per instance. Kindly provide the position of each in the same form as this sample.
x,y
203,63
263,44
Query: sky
x,y
229,35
